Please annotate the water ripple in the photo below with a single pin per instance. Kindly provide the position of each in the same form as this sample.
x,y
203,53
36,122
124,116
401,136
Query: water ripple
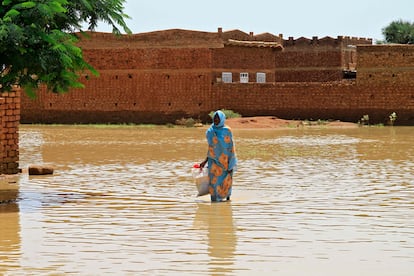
x,y
123,202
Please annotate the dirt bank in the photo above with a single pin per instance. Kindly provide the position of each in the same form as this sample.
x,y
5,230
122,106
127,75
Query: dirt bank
x,y
274,122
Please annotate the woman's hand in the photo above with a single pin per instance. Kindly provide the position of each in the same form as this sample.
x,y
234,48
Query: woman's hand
x,y
202,164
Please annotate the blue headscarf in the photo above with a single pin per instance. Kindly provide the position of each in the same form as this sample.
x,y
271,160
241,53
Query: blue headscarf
x,y
222,117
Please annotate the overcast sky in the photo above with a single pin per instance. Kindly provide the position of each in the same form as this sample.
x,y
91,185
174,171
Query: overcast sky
x,y
359,18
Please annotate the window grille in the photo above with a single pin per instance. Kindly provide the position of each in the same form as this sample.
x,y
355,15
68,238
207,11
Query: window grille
x,y
226,77
244,77
260,77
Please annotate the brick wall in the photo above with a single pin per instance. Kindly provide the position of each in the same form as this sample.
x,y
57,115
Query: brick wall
x,y
162,84
236,57
310,60
317,59
386,65
193,95
120,96
158,39
9,137
148,59
345,101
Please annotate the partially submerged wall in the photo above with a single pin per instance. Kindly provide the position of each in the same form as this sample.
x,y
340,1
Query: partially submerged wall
x,y
143,84
344,101
195,96
124,96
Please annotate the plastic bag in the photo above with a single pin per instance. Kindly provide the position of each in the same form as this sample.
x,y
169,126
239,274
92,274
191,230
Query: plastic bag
x,y
201,179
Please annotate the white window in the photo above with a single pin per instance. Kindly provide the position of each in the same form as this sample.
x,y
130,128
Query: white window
x,y
260,77
226,77
244,77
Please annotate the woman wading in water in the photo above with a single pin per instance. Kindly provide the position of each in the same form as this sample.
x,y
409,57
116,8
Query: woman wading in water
x,y
221,158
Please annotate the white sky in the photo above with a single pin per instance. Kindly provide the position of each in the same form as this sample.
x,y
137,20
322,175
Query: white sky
x,y
358,18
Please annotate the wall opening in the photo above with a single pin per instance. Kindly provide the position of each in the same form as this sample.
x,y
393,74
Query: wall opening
x,y
244,77
227,77
260,77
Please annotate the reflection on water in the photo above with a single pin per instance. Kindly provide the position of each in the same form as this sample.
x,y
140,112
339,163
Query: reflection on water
x,y
122,201
221,235
9,226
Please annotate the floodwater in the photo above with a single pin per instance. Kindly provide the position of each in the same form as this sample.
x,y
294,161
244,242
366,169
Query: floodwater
x,y
122,202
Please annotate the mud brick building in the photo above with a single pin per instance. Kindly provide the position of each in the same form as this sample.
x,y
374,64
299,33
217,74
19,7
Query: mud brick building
x,y
161,76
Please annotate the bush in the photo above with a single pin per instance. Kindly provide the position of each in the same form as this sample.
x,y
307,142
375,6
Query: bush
x,y
392,118
188,122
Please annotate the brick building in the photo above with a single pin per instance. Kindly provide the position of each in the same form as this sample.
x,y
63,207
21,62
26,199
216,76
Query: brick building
x,y
162,76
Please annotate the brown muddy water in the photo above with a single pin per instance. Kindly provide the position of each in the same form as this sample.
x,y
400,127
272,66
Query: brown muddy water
x,y
122,202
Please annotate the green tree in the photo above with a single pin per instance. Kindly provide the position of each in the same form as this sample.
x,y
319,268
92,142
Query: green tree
x,y
38,41
399,31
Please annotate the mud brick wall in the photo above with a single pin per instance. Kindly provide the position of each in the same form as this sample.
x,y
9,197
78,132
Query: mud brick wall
x,y
308,75
317,59
124,96
157,39
161,84
135,86
243,59
385,64
309,65
235,57
345,101
217,75
149,59
154,98
9,137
